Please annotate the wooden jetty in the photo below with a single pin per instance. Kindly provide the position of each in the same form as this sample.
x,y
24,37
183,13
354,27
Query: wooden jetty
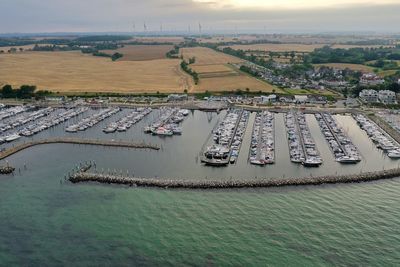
x,y
230,184
66,140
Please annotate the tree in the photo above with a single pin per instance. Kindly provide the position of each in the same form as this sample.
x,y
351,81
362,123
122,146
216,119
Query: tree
x,y
116,56
26,91
7,91
192,60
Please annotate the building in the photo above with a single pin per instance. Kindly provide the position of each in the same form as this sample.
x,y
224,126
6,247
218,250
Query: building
x,y
268,98
387,97
176,97
371,79
369,96
300,99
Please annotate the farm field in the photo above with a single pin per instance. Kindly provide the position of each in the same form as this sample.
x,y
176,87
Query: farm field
x,y
355,67
141,52
157,39
211,68
218,70
216,75
25,47
384,73
207,56
231,83
277,47
76,72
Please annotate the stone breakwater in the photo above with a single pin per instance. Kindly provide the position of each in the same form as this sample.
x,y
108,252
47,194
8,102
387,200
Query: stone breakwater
x,y
229,184
65,140
6,169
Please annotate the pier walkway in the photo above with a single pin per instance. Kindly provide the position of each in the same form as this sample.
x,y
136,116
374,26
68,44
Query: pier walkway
x,y
300,133
334,135
222,162
66,140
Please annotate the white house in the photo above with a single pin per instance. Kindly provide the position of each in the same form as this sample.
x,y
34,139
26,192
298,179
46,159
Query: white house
x,y
369,96
268,98
387,97
301,99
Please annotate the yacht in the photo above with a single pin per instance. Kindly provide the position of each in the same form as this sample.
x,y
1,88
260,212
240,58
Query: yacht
x,y
12,137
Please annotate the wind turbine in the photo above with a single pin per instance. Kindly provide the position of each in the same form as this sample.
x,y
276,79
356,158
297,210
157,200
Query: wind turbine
x,y
200,29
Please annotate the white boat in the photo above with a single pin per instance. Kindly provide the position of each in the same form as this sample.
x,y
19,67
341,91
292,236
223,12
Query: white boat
x,y
394,154
71,129
12,137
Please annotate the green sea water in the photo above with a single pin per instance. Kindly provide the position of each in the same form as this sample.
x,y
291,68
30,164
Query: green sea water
x,y
46,223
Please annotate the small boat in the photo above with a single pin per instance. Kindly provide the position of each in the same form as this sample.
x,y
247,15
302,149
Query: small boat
x,y
394,154
71,129
347,159
12,137
148,129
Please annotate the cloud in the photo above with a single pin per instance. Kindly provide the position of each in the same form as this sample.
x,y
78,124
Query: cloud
x,y
118,15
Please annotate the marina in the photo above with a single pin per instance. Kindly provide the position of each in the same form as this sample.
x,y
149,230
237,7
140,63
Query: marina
x,y
302,146
206,131
30,116
12,111
227,138
381,139
169,122
53,119
262,148
341,146
126,122
92,120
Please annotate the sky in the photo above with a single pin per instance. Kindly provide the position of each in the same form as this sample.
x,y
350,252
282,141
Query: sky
x,y
270,16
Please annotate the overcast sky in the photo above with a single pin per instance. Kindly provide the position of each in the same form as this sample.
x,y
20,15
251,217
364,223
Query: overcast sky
x,y
30,16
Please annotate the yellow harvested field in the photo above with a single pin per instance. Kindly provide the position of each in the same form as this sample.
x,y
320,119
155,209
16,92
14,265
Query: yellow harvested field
x,y
25,47
207,56
141,52
217,76
77,72
277,47
201,69
210,71
231,83
355,67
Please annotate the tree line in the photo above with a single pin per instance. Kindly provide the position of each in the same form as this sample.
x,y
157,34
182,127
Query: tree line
x,y
353,55
185,67
24,92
